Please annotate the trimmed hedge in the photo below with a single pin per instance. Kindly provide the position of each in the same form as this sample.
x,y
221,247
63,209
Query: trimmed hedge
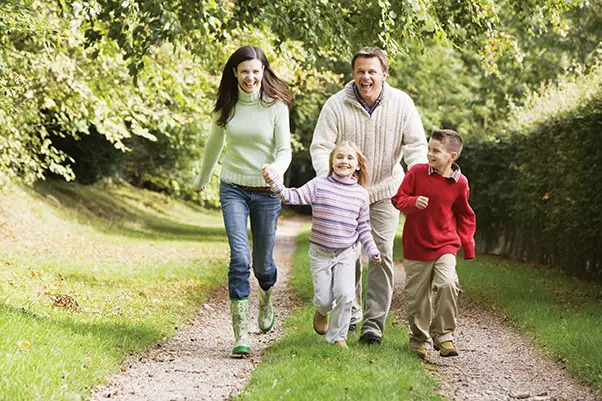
x,y
538,194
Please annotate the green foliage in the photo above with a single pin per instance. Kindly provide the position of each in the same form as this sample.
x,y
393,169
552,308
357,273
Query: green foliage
x,y
534,189
337,28
56,88
140,77
452,90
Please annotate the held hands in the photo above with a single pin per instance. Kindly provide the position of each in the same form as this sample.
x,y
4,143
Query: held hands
x,y
269,174
376,259
422,202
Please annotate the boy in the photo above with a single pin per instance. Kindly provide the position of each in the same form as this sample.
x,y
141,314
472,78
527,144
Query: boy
x,y
439,221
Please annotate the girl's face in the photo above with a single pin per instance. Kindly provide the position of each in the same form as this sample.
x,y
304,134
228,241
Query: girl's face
x,y
249,75
344,161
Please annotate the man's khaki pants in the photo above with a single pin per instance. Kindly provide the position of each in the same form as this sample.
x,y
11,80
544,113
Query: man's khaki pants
x,y
431,297
384,219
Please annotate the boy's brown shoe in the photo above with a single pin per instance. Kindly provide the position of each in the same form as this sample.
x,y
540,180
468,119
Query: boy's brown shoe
x,y
320,323
447,348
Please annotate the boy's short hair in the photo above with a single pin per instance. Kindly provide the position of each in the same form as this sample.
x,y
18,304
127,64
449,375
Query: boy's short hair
x,y
450,138
369,52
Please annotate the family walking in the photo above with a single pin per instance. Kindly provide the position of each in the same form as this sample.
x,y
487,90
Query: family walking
x,y
363,133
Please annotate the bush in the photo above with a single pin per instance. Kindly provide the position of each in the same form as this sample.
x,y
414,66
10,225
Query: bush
x,y
536,189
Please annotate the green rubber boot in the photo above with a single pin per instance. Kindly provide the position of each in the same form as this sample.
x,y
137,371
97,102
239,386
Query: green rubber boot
x,y
239,309
266,311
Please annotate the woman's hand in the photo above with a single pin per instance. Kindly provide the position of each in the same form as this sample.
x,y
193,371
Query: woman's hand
x,y
269,174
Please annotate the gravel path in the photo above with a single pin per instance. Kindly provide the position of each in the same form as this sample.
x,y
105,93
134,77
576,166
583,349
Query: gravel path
x,y
196,363
495,362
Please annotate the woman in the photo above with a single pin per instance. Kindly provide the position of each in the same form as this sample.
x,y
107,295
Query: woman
x,y
251,113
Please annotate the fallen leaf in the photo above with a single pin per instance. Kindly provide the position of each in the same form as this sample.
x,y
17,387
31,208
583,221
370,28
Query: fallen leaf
x,y
24,345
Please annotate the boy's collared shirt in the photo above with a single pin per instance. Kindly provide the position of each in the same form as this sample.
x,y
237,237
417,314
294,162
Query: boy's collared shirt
x,y
369,109
455,175
447,224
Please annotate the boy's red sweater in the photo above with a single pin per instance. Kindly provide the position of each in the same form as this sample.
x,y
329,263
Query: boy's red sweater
x,y
447,224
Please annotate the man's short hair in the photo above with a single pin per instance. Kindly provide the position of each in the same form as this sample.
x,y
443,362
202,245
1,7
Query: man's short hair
x,y
450,138
369,52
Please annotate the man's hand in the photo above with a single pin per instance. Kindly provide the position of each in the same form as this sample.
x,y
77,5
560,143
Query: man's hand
x,y
422,202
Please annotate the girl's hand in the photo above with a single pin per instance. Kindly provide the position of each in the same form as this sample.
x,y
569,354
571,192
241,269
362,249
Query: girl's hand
x,y
422,202
376,260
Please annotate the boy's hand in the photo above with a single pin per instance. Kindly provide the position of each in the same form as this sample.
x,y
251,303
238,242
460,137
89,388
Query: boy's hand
x,y
376,260
422,202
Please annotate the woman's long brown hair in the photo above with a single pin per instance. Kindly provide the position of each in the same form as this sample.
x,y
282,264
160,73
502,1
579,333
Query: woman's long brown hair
x,y
272,87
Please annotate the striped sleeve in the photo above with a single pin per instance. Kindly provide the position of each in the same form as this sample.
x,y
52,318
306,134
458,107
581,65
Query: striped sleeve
x,y
364,233
304,195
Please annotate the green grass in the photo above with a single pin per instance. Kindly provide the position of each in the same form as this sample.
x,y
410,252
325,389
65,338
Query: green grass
x,y
562,315
302,366
136,263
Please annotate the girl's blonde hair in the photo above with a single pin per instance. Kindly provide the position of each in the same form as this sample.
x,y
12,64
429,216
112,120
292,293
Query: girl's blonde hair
x,y
362,174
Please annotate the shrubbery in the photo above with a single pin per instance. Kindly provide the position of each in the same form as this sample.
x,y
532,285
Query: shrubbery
x,y
536,188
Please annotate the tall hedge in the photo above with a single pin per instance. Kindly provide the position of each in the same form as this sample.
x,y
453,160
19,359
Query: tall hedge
x,y
538,192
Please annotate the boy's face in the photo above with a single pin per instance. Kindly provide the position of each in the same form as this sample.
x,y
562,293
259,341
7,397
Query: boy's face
x,y
439,157
344,162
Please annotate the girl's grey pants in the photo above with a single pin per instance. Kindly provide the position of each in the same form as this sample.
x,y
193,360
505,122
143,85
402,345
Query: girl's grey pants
x,y
333,276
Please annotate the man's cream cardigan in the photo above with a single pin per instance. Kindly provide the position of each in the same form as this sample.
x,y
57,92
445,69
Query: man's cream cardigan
x,y
394,130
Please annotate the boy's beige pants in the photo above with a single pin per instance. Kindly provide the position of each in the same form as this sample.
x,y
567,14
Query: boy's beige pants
x,y
431,297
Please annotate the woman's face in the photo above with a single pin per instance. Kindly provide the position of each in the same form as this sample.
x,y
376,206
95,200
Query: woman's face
x,y
249,74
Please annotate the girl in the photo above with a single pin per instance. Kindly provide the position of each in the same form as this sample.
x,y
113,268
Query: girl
x,y
339,217
251,113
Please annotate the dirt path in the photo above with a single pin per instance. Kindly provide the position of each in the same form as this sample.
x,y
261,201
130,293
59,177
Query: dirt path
x,y
495,363
196,363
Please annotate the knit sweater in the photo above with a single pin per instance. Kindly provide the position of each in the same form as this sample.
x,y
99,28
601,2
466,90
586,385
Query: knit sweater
x,y
340,211
394,130
447,223
256,135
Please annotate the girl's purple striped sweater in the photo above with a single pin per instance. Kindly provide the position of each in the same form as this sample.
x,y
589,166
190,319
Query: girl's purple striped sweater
x,y
340,211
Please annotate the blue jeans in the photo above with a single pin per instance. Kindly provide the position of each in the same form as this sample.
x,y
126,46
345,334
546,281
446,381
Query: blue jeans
x,y
263,208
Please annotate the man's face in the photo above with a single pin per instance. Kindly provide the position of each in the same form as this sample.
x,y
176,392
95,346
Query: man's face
x,y
369,77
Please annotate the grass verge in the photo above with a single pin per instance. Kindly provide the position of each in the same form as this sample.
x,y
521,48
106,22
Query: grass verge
x,y
302,366
89,274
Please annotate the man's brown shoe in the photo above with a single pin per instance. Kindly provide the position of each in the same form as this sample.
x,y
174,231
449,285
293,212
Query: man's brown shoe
x,y
320,323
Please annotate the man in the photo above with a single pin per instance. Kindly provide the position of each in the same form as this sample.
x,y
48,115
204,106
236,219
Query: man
x,y
385,124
